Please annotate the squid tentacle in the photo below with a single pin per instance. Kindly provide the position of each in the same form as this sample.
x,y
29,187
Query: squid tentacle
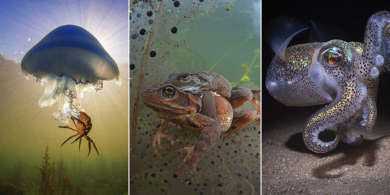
x,y
350,98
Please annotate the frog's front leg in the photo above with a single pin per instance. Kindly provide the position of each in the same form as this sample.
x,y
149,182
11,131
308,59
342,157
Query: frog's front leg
x,y
209,136
158,134
242,118
241,95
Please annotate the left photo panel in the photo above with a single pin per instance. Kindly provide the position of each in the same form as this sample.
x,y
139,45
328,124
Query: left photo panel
x,y
64,97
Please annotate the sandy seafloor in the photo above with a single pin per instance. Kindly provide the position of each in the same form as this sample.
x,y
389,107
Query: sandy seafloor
x,y
290,168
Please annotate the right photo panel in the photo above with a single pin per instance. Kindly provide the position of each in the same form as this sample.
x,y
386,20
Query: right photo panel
x,y
325,123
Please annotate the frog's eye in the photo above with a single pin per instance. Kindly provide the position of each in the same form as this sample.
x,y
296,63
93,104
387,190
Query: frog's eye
x,y
185,78
168,91
332,57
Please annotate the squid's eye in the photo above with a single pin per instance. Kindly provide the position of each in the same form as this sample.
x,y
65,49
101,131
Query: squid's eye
x,y
332,57
185,78
168,91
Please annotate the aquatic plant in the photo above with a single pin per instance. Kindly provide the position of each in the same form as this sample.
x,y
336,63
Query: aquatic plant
x,y
15,176
249,38
248,69
10,189
47,170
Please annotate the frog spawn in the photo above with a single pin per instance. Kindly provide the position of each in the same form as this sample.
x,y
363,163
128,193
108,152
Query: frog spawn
x,y
231,165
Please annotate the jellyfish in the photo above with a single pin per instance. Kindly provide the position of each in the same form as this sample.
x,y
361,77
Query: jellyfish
x,y
71,60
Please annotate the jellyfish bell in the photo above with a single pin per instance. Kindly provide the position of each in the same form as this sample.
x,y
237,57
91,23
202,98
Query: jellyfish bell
x,y
71,60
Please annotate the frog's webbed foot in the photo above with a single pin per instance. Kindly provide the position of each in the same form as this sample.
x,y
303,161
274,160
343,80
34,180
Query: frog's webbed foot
x,y
189,158
242,118
343,131
158,135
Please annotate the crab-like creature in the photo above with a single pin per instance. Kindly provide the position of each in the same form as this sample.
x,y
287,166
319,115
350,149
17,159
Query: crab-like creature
x,y
83,126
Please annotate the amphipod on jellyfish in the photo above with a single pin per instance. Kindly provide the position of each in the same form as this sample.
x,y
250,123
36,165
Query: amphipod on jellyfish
x,y
71,60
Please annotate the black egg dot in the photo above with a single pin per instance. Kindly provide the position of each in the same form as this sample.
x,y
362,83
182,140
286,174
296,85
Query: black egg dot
x,y
165,164
149,13
240,192
212,162
227,143
205,184
150,21
201,0
142,32
150,166
162,190
150,183
139,15
153,175
153,54
219,147
174,30
134,36
165,181
249,145
175,175
132,66
176,3
201,193
220,185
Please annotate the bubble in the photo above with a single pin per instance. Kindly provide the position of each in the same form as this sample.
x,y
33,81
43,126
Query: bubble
x,y
149,13
139,15
134,36
150,21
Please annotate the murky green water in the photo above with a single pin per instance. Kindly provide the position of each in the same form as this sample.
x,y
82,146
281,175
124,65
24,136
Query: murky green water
x,y
26,129
208,38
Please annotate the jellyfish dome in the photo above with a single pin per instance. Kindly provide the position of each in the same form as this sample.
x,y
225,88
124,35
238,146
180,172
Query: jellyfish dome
x,y
71,60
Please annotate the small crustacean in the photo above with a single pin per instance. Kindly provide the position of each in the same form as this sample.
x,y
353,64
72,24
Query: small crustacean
x,y
83,127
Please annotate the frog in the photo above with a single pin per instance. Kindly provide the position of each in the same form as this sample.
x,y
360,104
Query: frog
x,y
184,109
196,81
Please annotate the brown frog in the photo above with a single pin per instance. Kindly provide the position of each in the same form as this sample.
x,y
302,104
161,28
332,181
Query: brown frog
x,y
184,109
195,82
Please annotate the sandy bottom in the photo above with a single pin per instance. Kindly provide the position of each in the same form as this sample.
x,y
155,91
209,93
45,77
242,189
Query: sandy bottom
x,y
288,167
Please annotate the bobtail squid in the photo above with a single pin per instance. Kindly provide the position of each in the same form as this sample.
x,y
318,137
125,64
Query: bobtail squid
x,y
343,74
